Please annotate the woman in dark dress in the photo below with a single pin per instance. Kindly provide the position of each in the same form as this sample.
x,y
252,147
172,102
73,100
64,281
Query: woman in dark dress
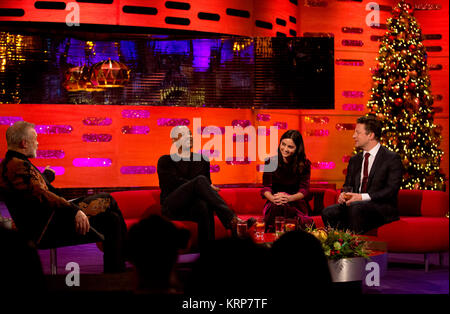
x,y
286,189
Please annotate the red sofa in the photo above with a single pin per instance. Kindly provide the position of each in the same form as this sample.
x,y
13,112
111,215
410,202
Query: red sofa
x,y
245,202
422,228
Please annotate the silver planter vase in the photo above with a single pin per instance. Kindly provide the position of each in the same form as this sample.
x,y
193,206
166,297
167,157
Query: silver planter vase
x,y
347,269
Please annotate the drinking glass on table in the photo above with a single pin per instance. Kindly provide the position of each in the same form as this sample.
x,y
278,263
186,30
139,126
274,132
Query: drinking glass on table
x,y
260,228
291,224
242,228
279,226
347,189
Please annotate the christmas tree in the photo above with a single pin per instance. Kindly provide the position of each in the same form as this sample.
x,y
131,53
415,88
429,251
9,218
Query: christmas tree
x,y
402,100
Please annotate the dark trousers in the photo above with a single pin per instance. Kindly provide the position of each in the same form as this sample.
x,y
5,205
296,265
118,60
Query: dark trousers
x,y
358,217
197,201
110,223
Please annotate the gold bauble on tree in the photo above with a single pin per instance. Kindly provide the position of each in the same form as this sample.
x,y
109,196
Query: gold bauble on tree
x,y
405,161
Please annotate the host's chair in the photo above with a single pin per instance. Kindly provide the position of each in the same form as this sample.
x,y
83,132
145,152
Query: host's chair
x,y
53,246
44,243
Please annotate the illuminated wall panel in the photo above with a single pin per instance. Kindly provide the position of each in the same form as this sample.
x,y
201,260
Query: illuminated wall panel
x,y
111,163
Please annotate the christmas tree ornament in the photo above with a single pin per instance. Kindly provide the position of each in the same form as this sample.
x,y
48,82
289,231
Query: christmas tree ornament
x,y
409,8
399,101
405,162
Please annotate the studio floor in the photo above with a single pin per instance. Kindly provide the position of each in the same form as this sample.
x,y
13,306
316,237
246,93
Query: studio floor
x,y
405,273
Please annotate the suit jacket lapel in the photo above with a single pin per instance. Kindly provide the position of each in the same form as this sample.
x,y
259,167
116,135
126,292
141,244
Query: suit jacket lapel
x,y
376,163
358,171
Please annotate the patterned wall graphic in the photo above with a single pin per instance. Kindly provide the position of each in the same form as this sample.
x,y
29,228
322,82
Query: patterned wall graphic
x,y
119,146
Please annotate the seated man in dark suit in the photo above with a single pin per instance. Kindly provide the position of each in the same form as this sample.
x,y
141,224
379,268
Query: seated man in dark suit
x,y
48,219
374,176
186,189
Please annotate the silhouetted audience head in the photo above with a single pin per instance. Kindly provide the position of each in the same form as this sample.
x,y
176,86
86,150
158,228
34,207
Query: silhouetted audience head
x,y
299,264
153,246
231,267
20,265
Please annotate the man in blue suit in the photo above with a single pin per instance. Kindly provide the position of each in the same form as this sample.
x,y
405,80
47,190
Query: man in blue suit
x,y
374,176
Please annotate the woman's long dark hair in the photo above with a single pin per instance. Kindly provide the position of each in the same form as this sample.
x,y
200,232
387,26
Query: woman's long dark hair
x,y
298,160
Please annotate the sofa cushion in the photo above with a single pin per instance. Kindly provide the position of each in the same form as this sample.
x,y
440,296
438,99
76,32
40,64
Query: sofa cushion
x,y
321,198
416,235
244,201
408,203
248,201
139,203
434,204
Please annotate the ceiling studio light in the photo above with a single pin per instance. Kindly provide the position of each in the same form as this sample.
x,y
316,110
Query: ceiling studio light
x,y
77,79
104,74
109,73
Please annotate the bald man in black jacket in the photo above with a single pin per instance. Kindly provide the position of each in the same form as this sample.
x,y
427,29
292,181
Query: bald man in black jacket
x,y
187,192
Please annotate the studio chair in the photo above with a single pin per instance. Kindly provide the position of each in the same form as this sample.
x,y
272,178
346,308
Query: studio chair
x,y
44,243
53,246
